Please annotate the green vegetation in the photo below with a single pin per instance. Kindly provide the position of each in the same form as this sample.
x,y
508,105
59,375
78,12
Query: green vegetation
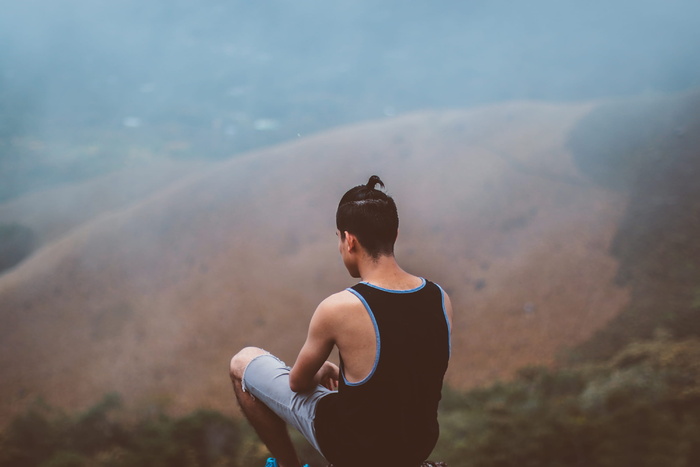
x,y
46,437
639,408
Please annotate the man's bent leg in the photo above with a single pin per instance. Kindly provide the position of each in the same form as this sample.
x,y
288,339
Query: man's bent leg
x,y
271,429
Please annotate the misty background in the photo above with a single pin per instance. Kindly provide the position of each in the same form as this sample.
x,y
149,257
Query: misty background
x,y
91,86
139,249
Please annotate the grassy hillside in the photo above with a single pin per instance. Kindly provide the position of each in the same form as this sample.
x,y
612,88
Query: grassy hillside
x,y
639,408
151,296
657,243
630,395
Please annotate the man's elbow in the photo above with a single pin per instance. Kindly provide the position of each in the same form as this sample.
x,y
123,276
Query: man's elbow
x,y
298,384
296,387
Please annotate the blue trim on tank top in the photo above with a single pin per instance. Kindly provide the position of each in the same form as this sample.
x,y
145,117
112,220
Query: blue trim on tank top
x,y
447,320
423,282
376,334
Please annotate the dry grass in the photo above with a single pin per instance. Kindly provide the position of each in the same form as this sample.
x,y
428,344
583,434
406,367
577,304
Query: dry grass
x,y
151,297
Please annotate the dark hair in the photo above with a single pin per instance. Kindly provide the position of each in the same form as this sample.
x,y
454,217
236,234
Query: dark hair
x,y
369,214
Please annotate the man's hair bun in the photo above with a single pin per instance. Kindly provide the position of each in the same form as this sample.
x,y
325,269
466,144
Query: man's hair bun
x,y
373,181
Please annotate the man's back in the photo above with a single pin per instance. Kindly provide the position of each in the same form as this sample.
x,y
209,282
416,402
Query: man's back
x,y
389,417
353,329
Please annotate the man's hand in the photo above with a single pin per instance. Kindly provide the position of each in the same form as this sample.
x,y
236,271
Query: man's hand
x,y
327,376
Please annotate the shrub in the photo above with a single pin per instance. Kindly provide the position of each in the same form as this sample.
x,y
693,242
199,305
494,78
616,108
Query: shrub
x,y
45,437
641,408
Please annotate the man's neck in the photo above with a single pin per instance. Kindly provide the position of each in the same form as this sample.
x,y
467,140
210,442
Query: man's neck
x,y
385,272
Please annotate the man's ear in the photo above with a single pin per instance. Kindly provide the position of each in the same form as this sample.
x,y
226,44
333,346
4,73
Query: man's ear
x,y
350,241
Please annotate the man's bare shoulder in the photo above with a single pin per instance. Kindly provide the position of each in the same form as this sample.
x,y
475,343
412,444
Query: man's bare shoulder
x,y
332,312
339,301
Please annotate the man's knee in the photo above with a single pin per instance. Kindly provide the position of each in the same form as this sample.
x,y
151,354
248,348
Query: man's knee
x,y
240,361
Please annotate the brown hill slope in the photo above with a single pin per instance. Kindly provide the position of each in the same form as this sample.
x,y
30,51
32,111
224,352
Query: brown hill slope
x,y
152,300
52,213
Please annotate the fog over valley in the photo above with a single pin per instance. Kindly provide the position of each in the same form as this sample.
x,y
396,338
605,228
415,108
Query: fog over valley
x,y
89,87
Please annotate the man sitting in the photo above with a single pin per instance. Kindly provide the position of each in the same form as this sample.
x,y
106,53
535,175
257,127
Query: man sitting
x,y
392,331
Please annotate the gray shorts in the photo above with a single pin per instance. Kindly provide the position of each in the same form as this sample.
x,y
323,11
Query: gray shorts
x,y
267,379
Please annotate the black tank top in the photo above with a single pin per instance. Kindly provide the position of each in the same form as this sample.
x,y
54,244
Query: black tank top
x,y
390,418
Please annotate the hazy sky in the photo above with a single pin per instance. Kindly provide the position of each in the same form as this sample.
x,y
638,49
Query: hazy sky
x,y
223,72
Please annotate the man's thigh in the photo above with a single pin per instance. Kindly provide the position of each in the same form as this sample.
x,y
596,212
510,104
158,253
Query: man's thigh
x,y
267,379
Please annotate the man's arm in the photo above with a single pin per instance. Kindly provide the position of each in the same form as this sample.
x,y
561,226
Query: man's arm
x,y
311,367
